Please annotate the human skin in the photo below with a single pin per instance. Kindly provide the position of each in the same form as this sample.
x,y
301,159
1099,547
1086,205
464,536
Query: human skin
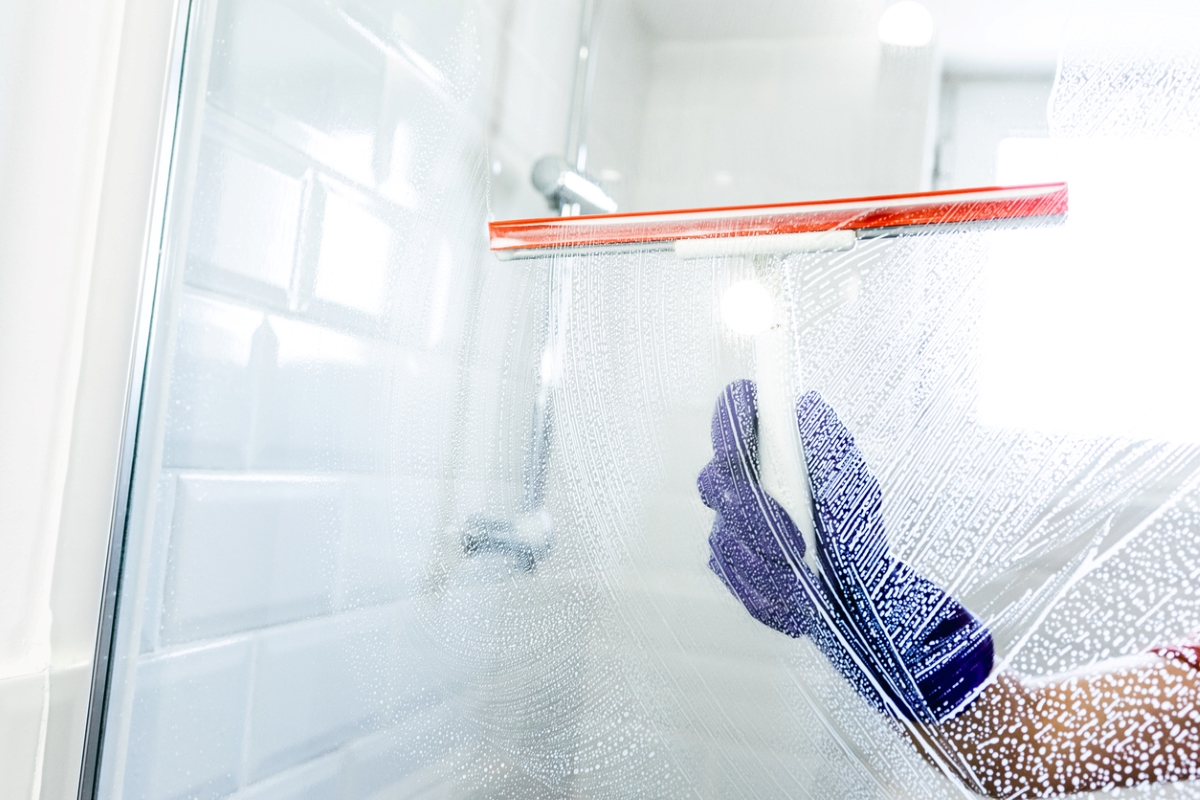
x,y
1123,723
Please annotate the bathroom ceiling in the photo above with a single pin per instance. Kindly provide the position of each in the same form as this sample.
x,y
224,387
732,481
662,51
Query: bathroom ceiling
x,y
754,19
975,36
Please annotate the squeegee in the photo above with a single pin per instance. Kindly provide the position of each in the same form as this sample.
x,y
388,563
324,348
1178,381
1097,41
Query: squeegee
x,y
779,229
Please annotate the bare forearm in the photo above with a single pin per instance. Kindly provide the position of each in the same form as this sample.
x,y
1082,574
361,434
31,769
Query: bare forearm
x,y
1125,726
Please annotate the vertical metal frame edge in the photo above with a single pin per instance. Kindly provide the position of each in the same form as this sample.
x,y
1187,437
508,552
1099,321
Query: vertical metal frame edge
x,y
135,390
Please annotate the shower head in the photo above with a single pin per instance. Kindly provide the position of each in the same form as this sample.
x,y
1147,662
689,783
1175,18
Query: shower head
x,y
563,186
784,227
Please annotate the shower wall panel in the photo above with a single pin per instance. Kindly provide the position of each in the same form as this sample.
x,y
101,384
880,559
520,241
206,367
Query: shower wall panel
x,y
320,410
781,119
335,581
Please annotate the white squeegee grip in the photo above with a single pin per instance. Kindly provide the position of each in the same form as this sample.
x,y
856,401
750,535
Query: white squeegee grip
x,y
781,456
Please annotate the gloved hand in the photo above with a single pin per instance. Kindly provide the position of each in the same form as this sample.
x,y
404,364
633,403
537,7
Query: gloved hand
x,y
907,646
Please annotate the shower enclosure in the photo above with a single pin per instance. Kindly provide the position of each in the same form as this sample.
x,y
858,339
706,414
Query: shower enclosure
x,y
409,520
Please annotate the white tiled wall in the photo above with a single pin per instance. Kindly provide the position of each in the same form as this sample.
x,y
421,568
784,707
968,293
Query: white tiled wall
x,y
618,114
188,721
745,121
527,117
321,305
705,120
250,551
239,199
348,375
308,696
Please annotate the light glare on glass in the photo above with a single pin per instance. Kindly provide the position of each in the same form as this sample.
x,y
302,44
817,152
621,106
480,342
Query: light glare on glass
x,y
906,24
747,307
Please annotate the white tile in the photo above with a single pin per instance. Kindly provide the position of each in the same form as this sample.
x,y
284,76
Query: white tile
x,y
21,700
390,757
618,100
504,379
247,552
698,615
218,349
290,395
303,74
417,99
759,111
318,780
388,540
510,193
542,50
547,32
436,782
245,221
388,274
189,713
984,112
422,407
446,279
399,652
533,117
322,403
417,678
431,28
313,690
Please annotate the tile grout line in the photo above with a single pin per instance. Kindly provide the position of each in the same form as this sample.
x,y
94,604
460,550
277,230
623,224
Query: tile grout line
x,y
244,772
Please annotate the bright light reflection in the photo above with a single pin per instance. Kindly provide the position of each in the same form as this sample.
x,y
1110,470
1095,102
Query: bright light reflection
x,y
747,308
1092,327
352,266
906,24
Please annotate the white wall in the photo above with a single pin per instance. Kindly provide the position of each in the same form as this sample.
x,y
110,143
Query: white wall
x,y
730,122
340,376
616,118
529,94
271,519
977,112
80,108
76,181
696,120
534,71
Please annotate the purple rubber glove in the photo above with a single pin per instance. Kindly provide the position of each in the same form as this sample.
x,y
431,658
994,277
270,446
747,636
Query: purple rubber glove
x,y
907,646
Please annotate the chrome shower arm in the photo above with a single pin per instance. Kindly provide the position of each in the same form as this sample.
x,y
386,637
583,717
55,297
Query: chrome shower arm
x,y
563,180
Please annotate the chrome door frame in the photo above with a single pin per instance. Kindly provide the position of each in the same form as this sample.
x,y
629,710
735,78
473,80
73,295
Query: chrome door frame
x,y
100,684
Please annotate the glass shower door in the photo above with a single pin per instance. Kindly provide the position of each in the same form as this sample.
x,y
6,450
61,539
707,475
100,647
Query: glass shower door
x,y
411,521
316,346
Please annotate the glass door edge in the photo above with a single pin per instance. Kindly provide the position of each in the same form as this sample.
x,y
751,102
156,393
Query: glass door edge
x,y
99,684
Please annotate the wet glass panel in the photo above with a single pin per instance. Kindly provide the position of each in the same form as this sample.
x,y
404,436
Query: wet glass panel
x,y
409,520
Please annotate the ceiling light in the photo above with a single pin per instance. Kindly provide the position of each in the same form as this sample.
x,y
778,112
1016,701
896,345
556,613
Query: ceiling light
x,y
906,24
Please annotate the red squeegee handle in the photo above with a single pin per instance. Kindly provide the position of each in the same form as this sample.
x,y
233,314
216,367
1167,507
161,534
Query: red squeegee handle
x,y
859,213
